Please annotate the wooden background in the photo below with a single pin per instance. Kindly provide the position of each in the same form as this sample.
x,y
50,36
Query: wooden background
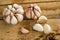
x,y
50,8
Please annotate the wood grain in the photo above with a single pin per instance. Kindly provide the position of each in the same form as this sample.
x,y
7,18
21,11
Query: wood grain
x,y
12,32
51,14
25,1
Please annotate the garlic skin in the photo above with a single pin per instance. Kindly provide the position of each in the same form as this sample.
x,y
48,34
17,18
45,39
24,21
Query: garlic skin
x,y
47,29
13,14
20,11
24,31
16,6
32,11
19,17
13,20
38,27
7,19
9,7
42,20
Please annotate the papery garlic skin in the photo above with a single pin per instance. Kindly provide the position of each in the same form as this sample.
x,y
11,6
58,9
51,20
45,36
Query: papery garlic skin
x,y
42,19
5,10
38,27
33,11
19,17
47,29
7,19
16,6
9,7
13,20
13,14
24,31
20,11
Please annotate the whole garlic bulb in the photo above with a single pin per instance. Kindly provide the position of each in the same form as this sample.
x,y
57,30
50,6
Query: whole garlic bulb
x,y
47,29
33,11
42,19
24,31
13,14
38,27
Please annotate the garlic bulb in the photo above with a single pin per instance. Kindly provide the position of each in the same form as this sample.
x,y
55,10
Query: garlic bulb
x,y
33,11
24,31
42,19
38,27
47,29
13,14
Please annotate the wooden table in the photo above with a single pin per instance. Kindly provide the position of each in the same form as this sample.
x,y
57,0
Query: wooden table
x,y
50,8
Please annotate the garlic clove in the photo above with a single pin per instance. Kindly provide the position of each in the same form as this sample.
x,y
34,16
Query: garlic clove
x,y
7,19
8,12
13,10
24,31
13,20
35,17
38,27
28,15
37,7
37,13
16,6
19,17
20,11
47,29
42,19
32,14
9,7
4,12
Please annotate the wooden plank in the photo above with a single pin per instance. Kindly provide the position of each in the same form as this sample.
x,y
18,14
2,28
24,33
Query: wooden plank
x,y
12,32
25,1
51,14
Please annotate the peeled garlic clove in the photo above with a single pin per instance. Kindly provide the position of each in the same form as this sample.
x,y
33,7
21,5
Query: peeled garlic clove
x,y
4,12
20,11
9,7
38,27
24,31
13,20
42,19
47,29
7,19
19,17
16,6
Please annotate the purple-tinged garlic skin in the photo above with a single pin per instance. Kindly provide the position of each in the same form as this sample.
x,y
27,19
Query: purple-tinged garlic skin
x,y
33,11
13,14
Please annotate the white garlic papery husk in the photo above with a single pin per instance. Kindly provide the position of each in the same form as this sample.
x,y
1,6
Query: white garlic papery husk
x,y
24,31
7,19
9,7
33,11
20,11
13,14
47,29
38,27
16,6
13,20
42,19
19,17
